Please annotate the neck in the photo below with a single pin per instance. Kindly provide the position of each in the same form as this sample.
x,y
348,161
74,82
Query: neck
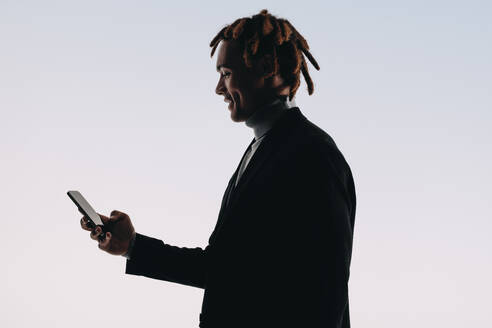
x,y
265,116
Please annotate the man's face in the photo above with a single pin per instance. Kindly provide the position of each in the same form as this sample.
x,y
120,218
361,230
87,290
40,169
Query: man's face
x,y
241,87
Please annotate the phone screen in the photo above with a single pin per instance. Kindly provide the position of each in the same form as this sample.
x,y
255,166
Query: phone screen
x,y
85,207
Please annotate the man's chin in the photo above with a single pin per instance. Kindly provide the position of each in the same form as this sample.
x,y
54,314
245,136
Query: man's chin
x,y
237,119
236,116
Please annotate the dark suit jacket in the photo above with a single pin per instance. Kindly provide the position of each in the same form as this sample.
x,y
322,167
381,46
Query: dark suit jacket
x,y
279,255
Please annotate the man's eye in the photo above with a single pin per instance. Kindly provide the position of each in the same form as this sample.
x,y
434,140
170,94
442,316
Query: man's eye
x,y
226,74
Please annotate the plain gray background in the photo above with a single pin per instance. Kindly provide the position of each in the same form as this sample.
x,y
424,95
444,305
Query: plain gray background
x,y
116,99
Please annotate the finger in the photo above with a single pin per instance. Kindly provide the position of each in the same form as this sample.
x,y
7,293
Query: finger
x,y
83,224
104,245
96,232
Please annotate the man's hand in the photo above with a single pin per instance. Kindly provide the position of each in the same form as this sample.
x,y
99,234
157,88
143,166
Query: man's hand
x,y
119,232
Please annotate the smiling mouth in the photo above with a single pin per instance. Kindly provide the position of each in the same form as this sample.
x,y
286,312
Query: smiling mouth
x,y
229,100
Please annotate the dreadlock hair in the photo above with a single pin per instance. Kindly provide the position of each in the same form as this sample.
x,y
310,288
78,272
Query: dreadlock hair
x,y
264,34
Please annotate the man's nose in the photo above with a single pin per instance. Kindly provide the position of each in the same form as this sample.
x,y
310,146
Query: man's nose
x,y
219,89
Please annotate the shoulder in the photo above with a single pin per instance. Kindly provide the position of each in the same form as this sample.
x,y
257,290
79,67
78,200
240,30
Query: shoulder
x,y
313,152
317,144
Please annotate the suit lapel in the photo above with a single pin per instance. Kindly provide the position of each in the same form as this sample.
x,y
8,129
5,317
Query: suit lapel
x,y
276,136
231,187
227,193
261,154
272,141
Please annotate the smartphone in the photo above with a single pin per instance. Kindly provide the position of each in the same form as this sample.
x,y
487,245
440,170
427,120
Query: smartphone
x,y
86,209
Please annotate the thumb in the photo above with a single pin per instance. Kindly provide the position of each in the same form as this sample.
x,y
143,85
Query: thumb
x,y
116,213
104,218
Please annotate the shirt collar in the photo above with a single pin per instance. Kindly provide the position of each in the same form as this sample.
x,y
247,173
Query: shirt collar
x,y
265,117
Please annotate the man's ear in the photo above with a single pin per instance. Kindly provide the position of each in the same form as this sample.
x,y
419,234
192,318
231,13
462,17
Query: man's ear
x,y
265,66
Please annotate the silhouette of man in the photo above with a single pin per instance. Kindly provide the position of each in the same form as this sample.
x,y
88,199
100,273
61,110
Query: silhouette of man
x,y
279,255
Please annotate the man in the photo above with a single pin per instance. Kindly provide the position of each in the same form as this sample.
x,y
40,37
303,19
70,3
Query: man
x,y
280,252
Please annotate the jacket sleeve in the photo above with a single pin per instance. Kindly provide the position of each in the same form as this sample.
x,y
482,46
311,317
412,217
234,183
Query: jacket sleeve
x,y
154,259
